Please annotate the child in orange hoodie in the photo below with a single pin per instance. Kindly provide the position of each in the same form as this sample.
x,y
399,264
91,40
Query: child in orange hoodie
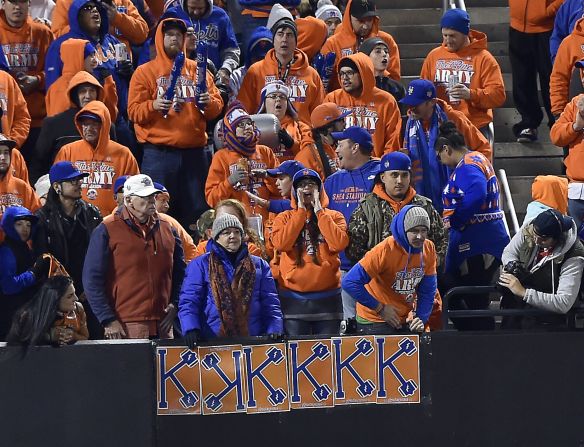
x,y
310,238
97,155
547,191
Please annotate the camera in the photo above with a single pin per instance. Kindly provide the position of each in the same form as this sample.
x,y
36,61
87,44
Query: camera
x,y
516,269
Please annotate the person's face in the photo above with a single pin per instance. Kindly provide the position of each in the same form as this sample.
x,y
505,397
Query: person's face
x,y
173,42
362,27
544,241
85,94
335,126
120,197
5,153
142,207
23,228
190,40
350,80
230,239
396,183
197,8
68,300
284,42
277,103
71,189
284,184
331,25
306,190
90,63
244,128
380,58
90,19
90,130
444,154
16,12
453,40
423,111
417,236
162,203
346,152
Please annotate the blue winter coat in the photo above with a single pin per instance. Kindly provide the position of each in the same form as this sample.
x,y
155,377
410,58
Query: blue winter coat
x,y
196,306
566,17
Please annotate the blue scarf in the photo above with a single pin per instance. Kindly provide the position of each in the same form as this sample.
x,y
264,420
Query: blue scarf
x,y
429,175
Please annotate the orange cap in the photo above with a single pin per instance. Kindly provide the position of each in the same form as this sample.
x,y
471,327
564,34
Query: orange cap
x,y
325,114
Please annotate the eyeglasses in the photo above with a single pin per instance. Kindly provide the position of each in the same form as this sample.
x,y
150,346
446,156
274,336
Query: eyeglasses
x,y
347,74
276,97
89,7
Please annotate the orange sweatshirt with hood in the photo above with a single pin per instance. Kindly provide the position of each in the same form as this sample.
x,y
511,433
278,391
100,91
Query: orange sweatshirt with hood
x,y
563,134
311,159
533,16
300,132
345,42
15,119
19,168
14,191
312,34
104,163
183,129
25,48
569,52
373,108
74,74
552,191
477,69
306,89
310,277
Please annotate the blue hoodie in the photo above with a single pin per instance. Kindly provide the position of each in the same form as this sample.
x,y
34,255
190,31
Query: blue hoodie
x,y
345,189
566,17
105,50
11,281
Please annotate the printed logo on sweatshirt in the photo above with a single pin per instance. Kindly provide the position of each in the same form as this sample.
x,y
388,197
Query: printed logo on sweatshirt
x,y
3,99
456,67
348,195
8,199
101,176
252,164
210,35
105,54
406,282
21,55
298,87
362,117
346,52
184,89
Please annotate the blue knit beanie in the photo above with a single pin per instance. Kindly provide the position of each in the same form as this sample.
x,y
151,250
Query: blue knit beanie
x,y
456,19
89,49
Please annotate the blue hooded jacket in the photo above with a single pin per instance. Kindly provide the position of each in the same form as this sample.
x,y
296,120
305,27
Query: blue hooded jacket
x,y
105,50
197,308
569,13
11,281
354,282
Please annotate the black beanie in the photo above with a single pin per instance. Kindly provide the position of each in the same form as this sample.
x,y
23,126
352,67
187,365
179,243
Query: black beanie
x,y
552,223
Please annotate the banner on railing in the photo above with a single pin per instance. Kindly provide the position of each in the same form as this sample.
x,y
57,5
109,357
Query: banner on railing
x,y
288,376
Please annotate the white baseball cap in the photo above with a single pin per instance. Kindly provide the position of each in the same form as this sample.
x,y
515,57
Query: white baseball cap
x,y
139,185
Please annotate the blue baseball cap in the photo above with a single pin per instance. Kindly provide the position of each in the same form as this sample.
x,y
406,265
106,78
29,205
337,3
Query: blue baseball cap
x,y
418,92
395,161
359,135
289,167
306,174
65,170
160,187
119,183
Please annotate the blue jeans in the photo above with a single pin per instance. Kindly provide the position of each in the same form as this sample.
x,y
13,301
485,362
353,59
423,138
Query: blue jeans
x,y
183,172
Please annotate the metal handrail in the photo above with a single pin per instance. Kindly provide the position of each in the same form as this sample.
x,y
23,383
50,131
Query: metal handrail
x,y
509,199
450,4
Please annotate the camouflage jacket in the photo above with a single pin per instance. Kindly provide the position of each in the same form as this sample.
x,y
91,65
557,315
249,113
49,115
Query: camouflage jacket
x,y
370,222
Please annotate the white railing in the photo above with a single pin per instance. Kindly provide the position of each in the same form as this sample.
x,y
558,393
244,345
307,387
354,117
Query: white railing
x,y
450,4
509,199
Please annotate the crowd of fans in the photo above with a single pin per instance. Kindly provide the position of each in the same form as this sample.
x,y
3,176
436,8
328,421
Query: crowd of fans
x,y
361,200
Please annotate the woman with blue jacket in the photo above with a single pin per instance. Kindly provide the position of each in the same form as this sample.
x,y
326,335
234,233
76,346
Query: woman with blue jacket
x,y
227,292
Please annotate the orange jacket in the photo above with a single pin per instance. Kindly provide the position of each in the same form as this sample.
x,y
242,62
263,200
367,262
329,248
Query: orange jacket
x,y
306,87
477,69
551,191
387,264
183,129
344,43
19,168
562,134
72,51
310,277
301,134
14,191
533,16
224,162
105,163
569,52
15,119
128,25
312,34
188,244
374,109
25,48
311,159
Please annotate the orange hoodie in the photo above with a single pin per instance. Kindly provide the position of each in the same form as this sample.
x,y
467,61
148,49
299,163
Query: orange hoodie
x,y
306,90
533,16
183,129
563,134
311,159
19,168
551,191
301,134
128,25
104,163
477,69
15,119
374,109
569,52
310,277
312,34
344,43
74,74
14,191
224,162
25,48
189,247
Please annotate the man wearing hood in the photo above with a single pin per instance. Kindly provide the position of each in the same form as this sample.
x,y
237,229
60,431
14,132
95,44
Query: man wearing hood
x,y
395,283
25,44
171,124
104,160
465,73
360,22
369,107
285,63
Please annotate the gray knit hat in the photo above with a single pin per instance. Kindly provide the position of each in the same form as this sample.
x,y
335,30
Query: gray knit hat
x,y
223,222
416,216
280,17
